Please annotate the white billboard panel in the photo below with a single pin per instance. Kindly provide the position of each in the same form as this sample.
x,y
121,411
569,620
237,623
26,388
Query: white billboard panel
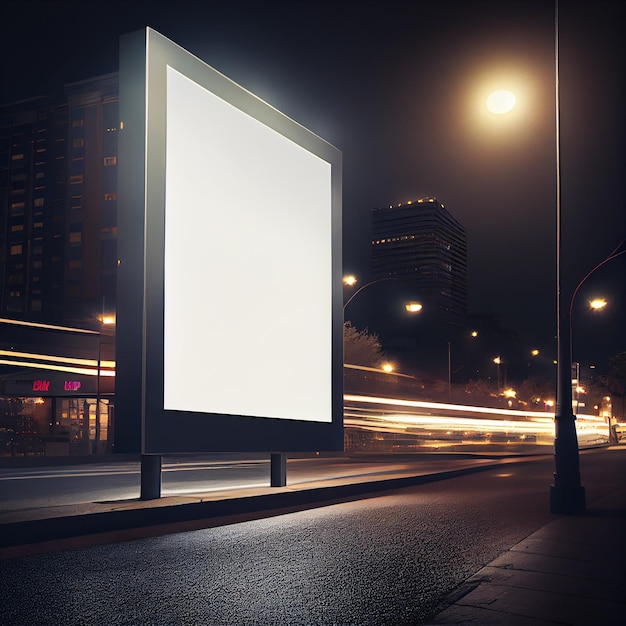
x,y
248,275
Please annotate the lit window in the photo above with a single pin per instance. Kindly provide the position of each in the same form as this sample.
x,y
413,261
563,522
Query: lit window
x,y
16,249
77,179
78,142
75,237
17,157
38,202
110,161
16,228
110,196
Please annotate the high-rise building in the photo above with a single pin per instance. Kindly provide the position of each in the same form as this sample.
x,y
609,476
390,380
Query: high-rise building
x,y
92,193
33,208
422,243
58,192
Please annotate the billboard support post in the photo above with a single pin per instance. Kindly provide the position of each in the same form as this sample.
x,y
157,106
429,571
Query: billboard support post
x,y
150,477
278,469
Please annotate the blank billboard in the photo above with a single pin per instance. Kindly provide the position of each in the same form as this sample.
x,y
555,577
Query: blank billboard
x,y
234,262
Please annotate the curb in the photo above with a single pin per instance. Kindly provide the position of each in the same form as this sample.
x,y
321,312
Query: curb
x,y
213,512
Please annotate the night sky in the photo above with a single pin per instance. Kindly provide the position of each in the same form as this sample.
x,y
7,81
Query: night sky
x,y
399,88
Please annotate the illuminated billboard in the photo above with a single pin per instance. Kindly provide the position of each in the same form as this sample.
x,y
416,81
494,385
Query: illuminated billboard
x,y
229,286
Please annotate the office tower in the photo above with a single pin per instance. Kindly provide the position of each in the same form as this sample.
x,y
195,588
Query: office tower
x,y
421,243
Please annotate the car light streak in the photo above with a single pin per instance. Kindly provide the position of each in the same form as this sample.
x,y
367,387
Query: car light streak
x,y
58,359
69,329
431,422
58,368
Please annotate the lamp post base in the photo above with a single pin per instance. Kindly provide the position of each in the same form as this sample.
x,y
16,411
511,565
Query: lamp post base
x,y
567,500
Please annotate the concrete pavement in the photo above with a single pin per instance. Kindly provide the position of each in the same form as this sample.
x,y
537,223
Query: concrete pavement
x,y
570,571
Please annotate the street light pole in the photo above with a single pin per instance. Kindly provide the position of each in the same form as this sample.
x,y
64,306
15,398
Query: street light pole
x,y
411,307
567,495
97,433
449,368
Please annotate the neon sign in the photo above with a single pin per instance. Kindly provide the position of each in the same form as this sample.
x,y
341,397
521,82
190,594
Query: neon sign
x,y
41,385
71,385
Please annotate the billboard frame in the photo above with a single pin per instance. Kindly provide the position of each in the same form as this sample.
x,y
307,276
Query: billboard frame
x,y
143,423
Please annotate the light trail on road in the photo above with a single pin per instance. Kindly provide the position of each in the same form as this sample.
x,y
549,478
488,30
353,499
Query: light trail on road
x,y
433,423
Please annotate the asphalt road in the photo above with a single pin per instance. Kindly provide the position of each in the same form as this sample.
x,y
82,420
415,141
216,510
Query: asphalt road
x,y
384,560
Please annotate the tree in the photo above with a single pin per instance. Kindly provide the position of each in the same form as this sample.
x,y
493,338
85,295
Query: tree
x,y
534,387
360,347
615,381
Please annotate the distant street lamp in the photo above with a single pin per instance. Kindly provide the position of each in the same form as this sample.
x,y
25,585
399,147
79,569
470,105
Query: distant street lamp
x,y
498,362
413,307
597,304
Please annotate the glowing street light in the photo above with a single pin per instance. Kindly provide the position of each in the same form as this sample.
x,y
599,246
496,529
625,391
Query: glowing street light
x,y
597,304
501,102
413,307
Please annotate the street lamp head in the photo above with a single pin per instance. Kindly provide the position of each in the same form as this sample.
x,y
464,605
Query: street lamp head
x,y
597,304
501,102
350,280
413,307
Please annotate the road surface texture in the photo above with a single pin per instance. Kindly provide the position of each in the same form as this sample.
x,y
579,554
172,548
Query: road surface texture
x,y
391,559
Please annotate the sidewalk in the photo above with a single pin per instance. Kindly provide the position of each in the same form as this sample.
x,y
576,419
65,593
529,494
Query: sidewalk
x,y
571,571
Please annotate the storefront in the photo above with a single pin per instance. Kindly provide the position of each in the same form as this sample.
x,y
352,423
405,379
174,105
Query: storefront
x,y
52,413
